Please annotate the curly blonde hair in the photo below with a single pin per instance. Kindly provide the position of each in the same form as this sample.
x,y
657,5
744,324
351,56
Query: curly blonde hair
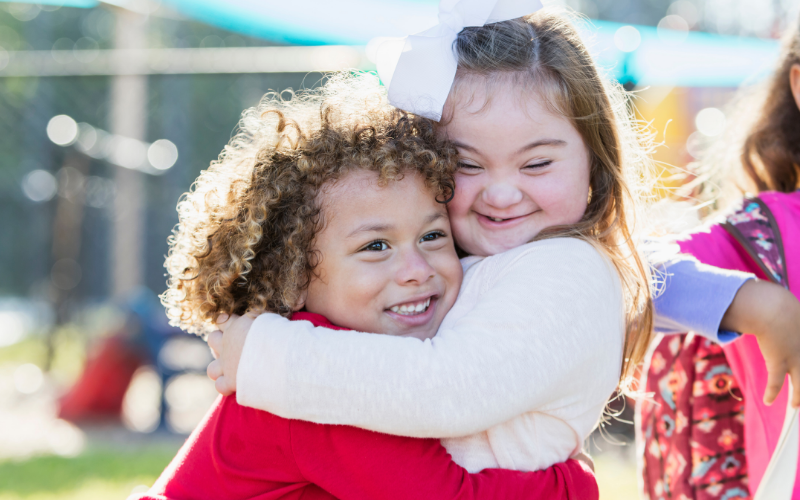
x,y
244,241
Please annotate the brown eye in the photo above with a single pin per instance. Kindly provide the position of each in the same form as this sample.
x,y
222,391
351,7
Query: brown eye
x,y
376,246
435,235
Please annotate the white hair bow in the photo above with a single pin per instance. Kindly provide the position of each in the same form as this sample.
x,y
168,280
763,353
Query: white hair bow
x,y
419,69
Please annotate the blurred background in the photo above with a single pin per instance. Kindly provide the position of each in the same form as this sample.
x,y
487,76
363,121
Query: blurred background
x,y
110,109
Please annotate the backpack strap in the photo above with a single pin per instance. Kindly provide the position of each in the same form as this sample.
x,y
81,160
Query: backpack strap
x,y
753,226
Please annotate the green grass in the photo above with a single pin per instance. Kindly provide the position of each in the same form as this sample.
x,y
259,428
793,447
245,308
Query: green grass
x,y
97,474
103,474
69,353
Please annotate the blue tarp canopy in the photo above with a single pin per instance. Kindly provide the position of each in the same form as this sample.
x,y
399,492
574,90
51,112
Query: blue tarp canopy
x,y
701,59
694,60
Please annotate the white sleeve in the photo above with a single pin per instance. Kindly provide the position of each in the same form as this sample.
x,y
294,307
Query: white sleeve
x,y
546,333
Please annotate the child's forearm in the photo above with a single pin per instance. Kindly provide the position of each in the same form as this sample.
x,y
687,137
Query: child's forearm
x,y
696,297
756,305
386,384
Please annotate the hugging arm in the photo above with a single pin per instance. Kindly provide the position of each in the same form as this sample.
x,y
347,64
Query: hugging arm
x,y
547,328
356,464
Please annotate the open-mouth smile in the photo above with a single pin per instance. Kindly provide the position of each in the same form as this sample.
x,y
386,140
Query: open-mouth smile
x,y
414,313
412,308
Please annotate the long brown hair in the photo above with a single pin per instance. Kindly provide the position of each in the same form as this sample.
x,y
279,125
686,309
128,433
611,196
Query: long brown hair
x,y
545,53
771,151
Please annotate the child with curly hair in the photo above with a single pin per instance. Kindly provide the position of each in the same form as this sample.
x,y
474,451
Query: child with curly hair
x,y
327,208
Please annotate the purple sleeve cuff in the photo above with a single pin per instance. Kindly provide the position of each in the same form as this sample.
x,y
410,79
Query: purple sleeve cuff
x,y
695,296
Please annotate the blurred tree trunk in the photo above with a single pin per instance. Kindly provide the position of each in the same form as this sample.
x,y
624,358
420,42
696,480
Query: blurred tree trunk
x,y
66,273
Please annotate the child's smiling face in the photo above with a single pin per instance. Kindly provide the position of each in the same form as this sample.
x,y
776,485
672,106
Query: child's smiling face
x,y
522,169
387,260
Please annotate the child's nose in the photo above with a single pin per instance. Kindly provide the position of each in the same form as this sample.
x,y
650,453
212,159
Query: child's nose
x,y
414,267
501,195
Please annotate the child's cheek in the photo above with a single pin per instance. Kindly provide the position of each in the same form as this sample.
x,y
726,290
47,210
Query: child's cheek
x,y
459,208
563,198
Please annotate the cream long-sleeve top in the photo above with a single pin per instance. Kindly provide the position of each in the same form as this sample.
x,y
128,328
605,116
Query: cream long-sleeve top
x,y
516,377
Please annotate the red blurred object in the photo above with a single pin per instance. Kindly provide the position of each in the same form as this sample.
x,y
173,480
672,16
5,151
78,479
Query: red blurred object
x,y
98,393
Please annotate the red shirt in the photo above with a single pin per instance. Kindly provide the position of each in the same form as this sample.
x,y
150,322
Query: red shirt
x,y
239,453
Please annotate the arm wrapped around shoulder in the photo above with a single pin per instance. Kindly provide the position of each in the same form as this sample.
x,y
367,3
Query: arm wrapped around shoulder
x,y
546,331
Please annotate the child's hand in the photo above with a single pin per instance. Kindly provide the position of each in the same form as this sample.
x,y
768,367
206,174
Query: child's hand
x,y
772,314
228,344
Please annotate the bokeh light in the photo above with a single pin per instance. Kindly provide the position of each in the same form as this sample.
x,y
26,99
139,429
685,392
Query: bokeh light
x,y
673,29
87,137
685,9
28,378
710,122
141,407
162,154
627,38
39,186
24,11
62,130
65,439
184,354
14,328
696,144
127,152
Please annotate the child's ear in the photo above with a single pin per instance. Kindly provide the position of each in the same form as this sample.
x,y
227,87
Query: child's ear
x,y
794,82
301,301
